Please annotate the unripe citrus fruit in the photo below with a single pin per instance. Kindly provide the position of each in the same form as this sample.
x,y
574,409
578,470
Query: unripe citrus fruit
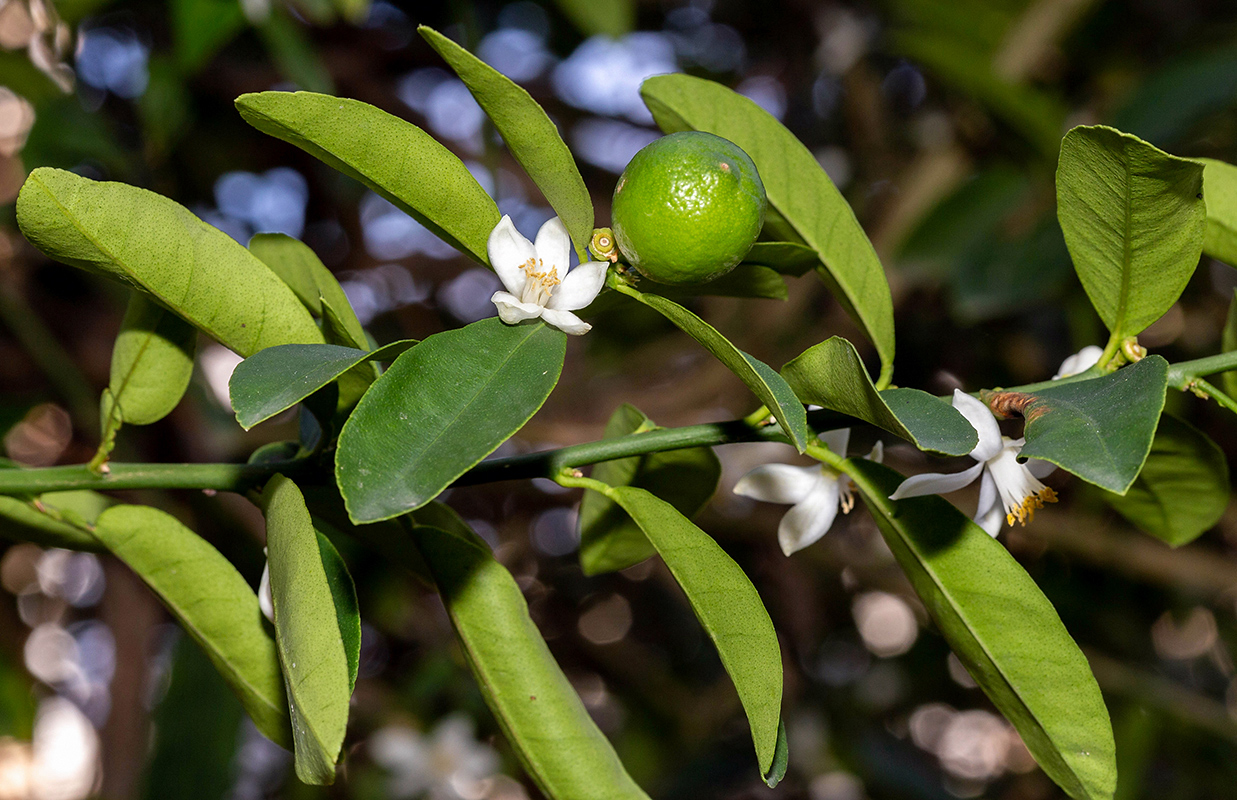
x,y
688,208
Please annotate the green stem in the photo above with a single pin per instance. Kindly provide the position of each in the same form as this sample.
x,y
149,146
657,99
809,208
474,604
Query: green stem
x,y
1202,388
1182,371
216,477
1110,352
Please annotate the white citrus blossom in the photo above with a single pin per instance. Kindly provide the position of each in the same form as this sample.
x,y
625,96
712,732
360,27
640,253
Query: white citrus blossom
x,y
536,277
1081,361
446,764
265,602
1016,486
816,493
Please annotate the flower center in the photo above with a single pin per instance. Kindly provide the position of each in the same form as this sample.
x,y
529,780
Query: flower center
x,y
539,287
1021,492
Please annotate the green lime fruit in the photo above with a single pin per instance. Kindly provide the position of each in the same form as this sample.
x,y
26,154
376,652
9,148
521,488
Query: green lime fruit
x,y
688,208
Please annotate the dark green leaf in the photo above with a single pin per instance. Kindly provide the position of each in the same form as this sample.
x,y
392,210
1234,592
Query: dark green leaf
x,y
788,258
299,267
211,601
200,28
280,377
155,245
1099,429
609,539
442,407
312,647
152,362
745,280
1133,218
797,187
530,134
728,607
1172,99
832,375
1003,629
764,382
1183,487
395,158
540,713
293,52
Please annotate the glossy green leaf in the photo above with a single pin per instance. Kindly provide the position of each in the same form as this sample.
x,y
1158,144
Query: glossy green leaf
x,y
788,258
309,279
832,375
1228,343
797,187
1003,629
210,599
312,649
764,382
538,710
60,523
745,280
1133,218
530,135
152,362
395,158
609,539
442,407
155,245
1100,429
278,378
1220,196
1183,487
726,604
609,17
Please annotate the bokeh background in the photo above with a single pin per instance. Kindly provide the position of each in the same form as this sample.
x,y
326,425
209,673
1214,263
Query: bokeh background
x,y
940,120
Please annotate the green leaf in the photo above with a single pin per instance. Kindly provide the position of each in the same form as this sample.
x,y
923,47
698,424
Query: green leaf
x,y
1183,487
343,596
200,28
152,362
61,523
1133,218
609,538
609,17
210,599
293,53
530,135
1169,102
309,279
395,158
1099,429
764,382
442,407
832,375
540,713
1003,629
312,648
157,246
798,189
788,258
279,377
1220,196
1228,343
745,280
726,604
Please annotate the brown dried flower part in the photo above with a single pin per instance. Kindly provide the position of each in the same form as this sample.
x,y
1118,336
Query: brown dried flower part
x,y
35,26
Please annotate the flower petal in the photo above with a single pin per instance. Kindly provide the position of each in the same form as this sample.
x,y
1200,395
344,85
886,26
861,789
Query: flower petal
x,y
978,414
1040,468
566,322
554,246
837,440
509,251
989,514
779,483
809,520
580,287
936,483
1081,361
266,602
511,310
878,452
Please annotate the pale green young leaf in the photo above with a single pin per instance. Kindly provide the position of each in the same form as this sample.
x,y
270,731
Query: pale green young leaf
x,y
299,267
832,375
540,713
530,135
157,246
798,190
1003,629
311,646
152,362
1099,429
1182,489
210,599
1220,195
609,17
442,407
279,377
1133,218
609,539
393,157
62,521
760,378
728,607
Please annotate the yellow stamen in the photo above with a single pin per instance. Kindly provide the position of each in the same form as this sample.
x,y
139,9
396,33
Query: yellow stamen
x,y
1026,511
540,285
